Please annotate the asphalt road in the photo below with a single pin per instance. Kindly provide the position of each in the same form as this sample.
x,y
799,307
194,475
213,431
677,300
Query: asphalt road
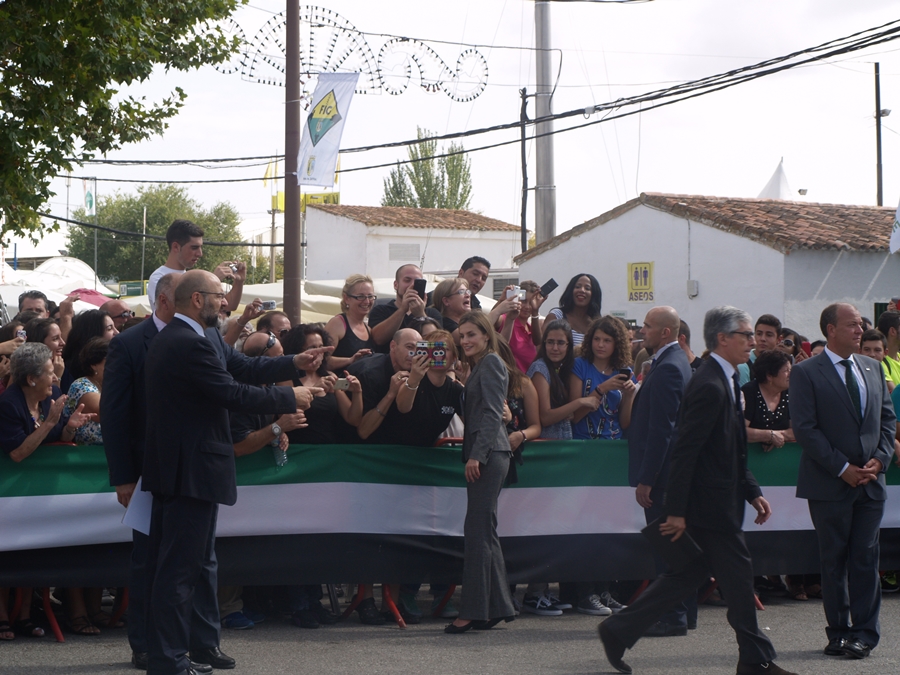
x,y
566,644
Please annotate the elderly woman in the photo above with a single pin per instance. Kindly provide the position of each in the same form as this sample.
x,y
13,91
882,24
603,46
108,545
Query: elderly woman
x,y
85,391
452,298
766,401
31,414
348,330
47,332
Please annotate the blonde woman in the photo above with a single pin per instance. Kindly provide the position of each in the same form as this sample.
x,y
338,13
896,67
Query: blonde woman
x,y
348,330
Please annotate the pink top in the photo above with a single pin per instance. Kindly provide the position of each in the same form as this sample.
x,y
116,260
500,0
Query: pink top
x,y
523,349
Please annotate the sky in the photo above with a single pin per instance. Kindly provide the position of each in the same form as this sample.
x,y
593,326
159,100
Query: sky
x,y
818,118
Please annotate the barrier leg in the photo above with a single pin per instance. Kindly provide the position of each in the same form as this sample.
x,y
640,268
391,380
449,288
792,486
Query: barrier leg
x,y
640,589
443,603
758,603
353,603
332,596
51,617
389,601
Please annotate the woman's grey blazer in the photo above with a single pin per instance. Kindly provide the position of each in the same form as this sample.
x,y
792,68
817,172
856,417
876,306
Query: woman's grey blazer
x,y
485,395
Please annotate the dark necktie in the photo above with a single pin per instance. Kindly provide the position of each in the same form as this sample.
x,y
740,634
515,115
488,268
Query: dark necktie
x,y
852,385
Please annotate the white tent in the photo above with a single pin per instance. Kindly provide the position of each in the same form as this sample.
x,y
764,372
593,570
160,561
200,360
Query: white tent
x,y
777,187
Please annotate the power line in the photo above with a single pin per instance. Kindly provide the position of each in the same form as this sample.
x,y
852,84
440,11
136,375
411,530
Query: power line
x,y
662,97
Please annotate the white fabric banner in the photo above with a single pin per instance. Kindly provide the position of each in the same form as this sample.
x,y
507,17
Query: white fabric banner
x,y
324,126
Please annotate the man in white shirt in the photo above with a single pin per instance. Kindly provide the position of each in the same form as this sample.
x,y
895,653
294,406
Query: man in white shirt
x,y
185,241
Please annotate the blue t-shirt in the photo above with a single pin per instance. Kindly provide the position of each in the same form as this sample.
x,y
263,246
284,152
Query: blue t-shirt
x,y
604,421
560,429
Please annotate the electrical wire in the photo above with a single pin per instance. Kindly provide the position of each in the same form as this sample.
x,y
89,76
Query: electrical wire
x,y
661,97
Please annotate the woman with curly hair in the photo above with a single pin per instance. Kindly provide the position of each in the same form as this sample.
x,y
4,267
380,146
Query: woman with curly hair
x,y
600,371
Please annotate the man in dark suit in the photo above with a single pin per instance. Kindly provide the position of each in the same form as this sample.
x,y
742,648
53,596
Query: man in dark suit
x,y
189,461
653,417
708,484
842,416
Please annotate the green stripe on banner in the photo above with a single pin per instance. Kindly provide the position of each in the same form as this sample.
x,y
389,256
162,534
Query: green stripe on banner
x,y
57,470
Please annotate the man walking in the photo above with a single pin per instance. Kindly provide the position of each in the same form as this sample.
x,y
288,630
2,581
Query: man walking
x,y
708,484
653,417
842,416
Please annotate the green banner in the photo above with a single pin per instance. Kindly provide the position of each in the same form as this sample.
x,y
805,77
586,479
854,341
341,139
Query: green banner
x,y
60,469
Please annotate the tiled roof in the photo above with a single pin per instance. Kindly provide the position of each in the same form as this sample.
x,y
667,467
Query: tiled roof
x,y
783,225
398,216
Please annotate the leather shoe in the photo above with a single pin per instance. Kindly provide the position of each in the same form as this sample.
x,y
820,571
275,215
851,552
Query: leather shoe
x,y
213,657
662,629
770,668
453,629
835,647
201,668
140,660
857,649
614,649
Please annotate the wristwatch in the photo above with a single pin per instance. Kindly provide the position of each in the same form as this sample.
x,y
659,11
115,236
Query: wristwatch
x,y
276,429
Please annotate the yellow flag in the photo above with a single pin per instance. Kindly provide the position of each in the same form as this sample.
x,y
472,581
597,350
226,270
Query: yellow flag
x,y
269,173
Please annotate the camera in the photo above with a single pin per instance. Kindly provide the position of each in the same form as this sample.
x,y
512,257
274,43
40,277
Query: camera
x,y
268,305
233,267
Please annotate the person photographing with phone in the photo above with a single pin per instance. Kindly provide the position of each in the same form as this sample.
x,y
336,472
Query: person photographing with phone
x,y
408,310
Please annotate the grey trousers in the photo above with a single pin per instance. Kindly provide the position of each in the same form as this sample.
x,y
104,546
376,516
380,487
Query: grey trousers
x,y
485,591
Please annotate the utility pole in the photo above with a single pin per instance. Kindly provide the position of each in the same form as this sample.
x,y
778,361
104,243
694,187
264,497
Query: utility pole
x,y
879,113
292,235
545,189
523,119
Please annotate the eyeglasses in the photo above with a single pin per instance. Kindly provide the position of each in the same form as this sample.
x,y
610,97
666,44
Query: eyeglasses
x,y
556,343
787,342
360,298
746,333
270,343
123,315
220,296
464,291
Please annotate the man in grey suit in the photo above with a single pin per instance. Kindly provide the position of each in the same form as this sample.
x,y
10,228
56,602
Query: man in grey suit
x,y
842,416
652,424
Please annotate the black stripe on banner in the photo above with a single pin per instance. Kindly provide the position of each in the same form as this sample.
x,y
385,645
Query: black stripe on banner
x,y
363,558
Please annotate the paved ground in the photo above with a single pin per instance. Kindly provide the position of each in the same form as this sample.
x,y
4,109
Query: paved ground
x,y
566,644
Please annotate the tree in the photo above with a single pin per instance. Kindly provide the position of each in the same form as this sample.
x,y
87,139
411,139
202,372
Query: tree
x,y
61,66
429,183
119,256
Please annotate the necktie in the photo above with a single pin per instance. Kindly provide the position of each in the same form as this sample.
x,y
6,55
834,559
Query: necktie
x,y
852,385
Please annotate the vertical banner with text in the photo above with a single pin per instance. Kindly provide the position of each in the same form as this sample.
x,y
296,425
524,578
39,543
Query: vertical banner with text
x,y
324,126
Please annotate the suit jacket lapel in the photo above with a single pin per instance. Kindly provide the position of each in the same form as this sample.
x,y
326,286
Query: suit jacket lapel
x,y
831,375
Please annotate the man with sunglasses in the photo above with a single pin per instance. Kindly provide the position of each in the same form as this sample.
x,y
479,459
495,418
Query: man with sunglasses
x,y
118,311
275,322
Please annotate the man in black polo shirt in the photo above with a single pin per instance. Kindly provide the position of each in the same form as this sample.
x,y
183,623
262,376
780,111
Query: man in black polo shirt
x,y
407,310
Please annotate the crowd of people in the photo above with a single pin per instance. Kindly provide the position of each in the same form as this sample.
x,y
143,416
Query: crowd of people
x,y
400,371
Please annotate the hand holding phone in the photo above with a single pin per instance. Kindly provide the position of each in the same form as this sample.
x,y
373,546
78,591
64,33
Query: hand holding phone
x,y
419,285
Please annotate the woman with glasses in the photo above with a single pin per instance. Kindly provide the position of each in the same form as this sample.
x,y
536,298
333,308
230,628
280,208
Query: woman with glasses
x,y
348,330
789,343
452,298
521,328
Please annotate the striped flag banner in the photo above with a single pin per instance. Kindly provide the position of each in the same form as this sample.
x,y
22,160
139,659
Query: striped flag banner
x,y
573,495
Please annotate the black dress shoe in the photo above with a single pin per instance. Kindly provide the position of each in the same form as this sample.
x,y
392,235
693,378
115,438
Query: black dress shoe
x,y
614,649
140,660
835,647
201,668
453,629
213,657
662,629
857,649
490,623
369,614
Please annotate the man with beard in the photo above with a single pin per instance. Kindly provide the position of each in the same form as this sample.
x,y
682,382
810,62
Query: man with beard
x,y
189,460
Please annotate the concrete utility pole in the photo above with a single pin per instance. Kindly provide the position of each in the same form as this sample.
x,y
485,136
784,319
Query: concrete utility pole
x,y
545,188
292,238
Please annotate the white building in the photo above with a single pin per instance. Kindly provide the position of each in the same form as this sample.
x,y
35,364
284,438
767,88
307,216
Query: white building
x,y
376,240
790,259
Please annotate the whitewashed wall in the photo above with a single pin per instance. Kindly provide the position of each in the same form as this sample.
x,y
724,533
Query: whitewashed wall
x,y
730,269
336,247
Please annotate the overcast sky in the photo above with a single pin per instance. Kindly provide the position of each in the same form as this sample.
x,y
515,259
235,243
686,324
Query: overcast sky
x,y
818,118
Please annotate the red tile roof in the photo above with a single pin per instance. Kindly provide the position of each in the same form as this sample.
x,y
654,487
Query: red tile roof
x,y
398,216
783,225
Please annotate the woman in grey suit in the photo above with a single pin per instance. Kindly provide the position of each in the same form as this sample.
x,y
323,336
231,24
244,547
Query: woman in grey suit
x,y
486,452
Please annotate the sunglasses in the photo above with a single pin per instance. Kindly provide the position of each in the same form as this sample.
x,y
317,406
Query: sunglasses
x,y
787,342
271,342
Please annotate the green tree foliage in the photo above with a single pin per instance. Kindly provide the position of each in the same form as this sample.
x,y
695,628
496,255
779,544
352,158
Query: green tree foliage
x,y
429,183
119,256
61,67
